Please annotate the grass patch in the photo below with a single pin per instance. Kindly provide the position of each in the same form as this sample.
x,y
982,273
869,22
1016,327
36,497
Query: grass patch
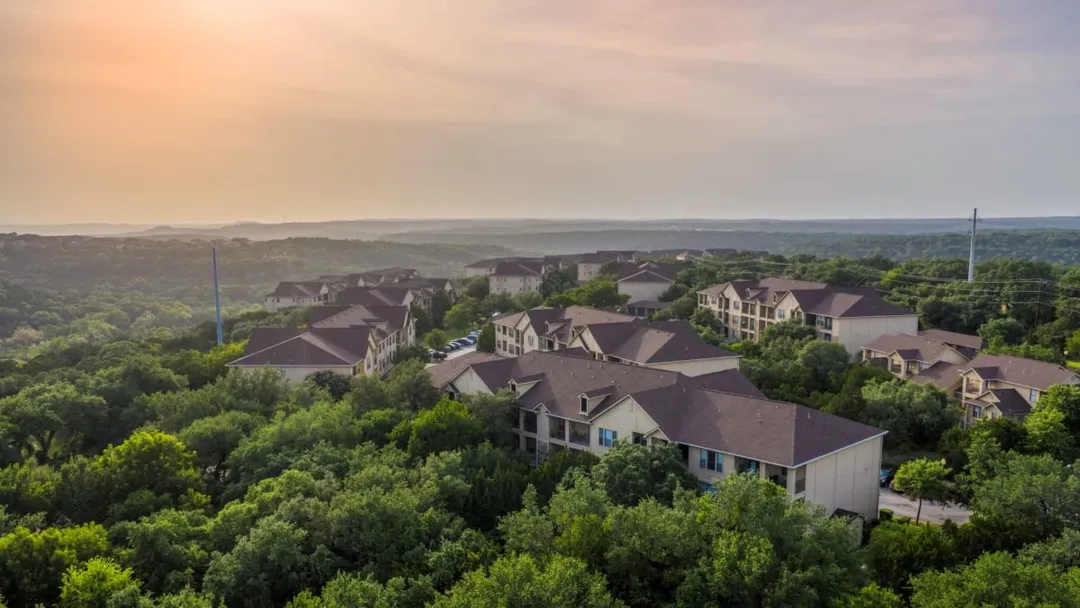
x,y
1073,365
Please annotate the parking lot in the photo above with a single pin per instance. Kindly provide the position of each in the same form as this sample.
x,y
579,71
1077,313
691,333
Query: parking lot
x,y
903,506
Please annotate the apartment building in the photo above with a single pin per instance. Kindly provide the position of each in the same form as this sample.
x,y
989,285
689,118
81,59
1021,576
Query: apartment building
x,y
517,277
589,264
851,316
1003,386
905,356
297,293
546,328
348,340
720,422
646,281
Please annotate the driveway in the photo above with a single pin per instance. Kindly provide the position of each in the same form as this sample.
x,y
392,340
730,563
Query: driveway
x,y
902,506
455,354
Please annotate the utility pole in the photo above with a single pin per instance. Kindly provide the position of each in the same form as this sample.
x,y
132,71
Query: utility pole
x,y
971,255
217,299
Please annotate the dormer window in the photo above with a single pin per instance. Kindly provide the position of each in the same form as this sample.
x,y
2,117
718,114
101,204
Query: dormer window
x,y
584,404
513,386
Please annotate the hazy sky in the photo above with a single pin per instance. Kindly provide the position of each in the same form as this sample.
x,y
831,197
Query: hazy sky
x,y
156,111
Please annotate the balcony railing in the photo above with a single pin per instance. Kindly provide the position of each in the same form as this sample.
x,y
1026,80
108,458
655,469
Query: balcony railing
x,y
557,428
800,485
529,424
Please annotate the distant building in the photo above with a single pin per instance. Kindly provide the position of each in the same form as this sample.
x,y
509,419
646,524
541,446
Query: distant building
x,y
646,308
297,293
646,281
351,341
517,277
851,316
905,356
589,264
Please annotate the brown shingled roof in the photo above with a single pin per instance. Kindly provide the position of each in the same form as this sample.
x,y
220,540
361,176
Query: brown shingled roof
x,y
312,347
298,289
390,318
447,370
814,298
953,338
661,342
649,272
754,427
388,295
566,377
519,269
1018,370
914,347
942,375
1010,402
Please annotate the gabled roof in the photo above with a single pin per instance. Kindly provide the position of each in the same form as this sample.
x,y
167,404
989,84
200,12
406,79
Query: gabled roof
x,y
298,289
388,318
558,323
313,347
909,347
652,343
423,283
445,371
751,426
965,341
564,377
648,272
387,295
1039,375
1009,402
518,269
943,375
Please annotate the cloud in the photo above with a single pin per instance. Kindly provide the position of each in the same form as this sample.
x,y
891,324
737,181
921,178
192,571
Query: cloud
x,y
238,110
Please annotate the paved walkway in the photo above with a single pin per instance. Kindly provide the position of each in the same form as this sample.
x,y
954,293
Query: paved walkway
x,y
902,506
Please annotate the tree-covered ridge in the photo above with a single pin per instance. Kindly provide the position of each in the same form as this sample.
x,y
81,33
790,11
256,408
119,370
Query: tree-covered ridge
x,y
181,269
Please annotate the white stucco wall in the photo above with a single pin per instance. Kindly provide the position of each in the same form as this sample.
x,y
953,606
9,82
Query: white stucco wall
x,y
699,367
856,333
847,479
587,270
643,291
469,382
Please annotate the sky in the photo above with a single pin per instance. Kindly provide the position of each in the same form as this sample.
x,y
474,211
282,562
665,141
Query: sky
x,y
158,111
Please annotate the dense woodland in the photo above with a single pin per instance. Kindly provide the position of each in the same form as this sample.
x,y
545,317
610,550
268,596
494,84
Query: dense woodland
x,y
135,472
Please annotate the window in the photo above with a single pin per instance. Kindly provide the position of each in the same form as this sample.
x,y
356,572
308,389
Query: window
x,y
557,428
530,422
712,461
828,322
1033,396
451,395
826,337
976,411
974,385
639,439
583,404
800,480
706,488
745,465
513,386
607,437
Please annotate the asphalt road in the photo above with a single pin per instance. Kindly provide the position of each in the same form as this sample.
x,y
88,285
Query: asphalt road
x,y
901,505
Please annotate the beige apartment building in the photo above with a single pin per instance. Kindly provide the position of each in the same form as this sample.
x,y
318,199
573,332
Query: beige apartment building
x,y
289,294
516,277
720,422
1002,386
646,281
851,316
905,356
347,340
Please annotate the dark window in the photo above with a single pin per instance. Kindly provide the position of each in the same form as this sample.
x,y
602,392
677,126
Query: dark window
x,y
584,404
640,439
712,461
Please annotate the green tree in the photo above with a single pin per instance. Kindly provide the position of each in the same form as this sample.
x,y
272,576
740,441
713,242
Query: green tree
x,y
897,551
997,579
486,342
464,315
1062,552
870,596
266,568
338,385
214,438
1027,498
558,280
440,304
435,339
94,583
529,299
520,580
169,550
409,386
32,563
1007,330
924,479
369,393
631,473
43,413
447,426
1047,434
912,413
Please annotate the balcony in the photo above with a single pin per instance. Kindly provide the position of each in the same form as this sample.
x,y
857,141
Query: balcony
x,y
557,428
579,433
529,422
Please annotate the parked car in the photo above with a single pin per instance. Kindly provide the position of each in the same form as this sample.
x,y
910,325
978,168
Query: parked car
x,y
436,355
451,347
885,477
470,340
